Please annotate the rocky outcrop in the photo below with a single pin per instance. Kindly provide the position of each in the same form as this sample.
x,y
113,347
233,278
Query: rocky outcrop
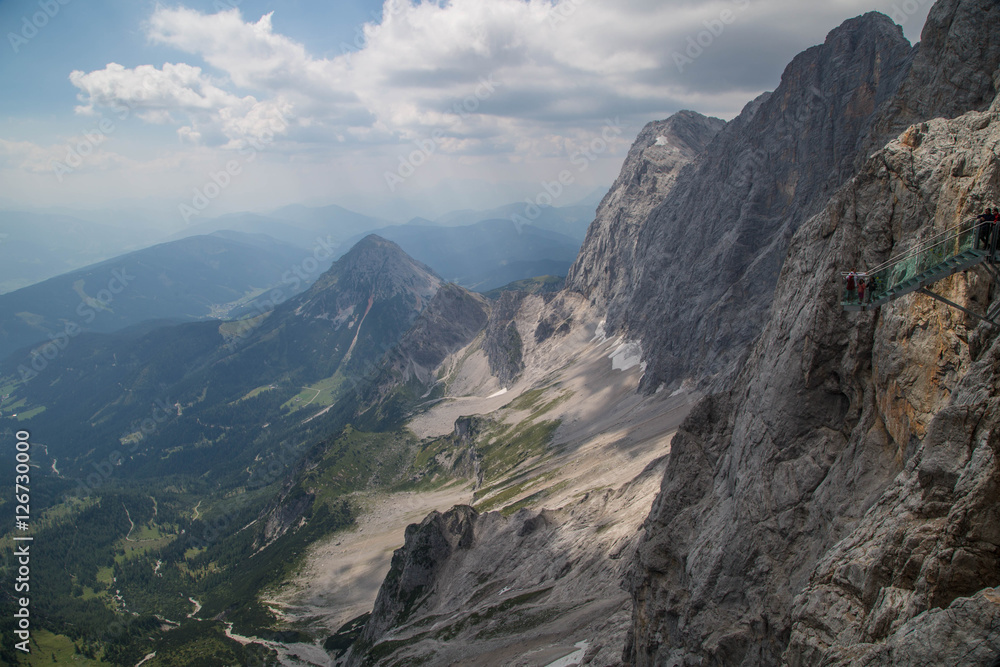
x,y
502,341
709,256
488,589
603,269
413,574
837,504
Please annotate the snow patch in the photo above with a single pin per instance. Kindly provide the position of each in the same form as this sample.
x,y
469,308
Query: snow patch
x,y
662,141
498,393
626,356
574,658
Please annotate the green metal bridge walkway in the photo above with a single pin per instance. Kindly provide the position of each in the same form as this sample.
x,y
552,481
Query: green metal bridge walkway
x,y
958,248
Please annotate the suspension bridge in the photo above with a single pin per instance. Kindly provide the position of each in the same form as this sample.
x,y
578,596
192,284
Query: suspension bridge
x,y
961,247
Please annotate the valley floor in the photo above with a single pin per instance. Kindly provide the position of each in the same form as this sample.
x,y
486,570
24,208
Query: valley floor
x,y
596,479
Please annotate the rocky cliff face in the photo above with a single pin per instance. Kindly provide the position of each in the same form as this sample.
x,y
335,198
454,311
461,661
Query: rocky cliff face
x,y
952,72
603,269
837,504
415,567
915,580
471,588
709,255
502,342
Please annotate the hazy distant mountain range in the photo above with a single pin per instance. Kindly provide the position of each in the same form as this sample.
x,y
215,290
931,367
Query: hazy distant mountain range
x,y
36,246
193,278
488,254
228,266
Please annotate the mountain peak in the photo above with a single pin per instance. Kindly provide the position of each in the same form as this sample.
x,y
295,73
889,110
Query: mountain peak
x,y
723,230
376,269
374,241
375,253
603,269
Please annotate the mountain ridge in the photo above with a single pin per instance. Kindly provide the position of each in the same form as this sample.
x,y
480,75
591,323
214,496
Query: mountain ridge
x,y
732,212
813,486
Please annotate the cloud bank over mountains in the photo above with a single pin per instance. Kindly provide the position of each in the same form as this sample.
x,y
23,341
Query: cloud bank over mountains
x,y
502,87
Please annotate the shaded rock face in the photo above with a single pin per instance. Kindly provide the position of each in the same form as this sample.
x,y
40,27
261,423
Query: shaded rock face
x,y
282,515
452,320
838,503
603,269
502,341
487,589
413,573
709,256
953,71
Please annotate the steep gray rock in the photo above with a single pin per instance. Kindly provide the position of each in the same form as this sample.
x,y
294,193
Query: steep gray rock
x,y
502,341
709,256
486,589
413,574
603,269
953,69
838,503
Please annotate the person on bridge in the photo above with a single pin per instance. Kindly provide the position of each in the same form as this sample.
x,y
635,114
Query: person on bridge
x,y
994,226
985,222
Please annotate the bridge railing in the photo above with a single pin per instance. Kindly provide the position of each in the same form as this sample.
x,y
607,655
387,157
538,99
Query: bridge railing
x,y
925,256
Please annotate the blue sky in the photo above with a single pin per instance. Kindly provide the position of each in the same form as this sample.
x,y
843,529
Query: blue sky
x,y
397,108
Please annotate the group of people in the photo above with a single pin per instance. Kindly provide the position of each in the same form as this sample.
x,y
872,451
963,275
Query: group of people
x,y
859,285
986,222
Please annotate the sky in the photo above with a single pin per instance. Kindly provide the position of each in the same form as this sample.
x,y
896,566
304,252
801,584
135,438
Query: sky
x,y
396,108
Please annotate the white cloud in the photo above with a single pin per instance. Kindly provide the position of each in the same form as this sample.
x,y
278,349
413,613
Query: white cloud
x,y
174,87
504,82
565,62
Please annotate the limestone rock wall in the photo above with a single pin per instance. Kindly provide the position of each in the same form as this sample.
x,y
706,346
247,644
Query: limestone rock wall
x,y
838,503
710,255
603,271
